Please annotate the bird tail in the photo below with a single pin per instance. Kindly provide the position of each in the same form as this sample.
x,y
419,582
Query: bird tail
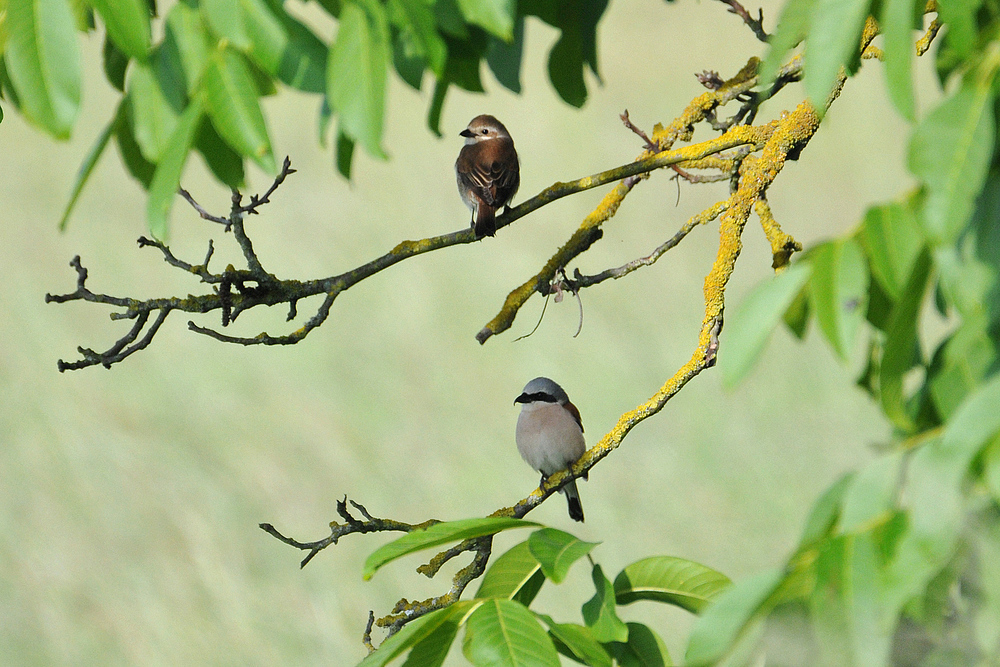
x,y
486,221
573,499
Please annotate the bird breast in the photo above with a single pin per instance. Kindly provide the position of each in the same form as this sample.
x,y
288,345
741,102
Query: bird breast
x,y
548,437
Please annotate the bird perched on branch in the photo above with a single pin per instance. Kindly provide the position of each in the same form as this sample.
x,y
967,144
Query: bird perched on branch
x,y
487,171
550,435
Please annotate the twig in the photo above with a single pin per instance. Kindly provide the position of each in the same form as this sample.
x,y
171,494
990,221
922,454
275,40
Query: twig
x,y
353,525
366,638
647,142
581,281
755,24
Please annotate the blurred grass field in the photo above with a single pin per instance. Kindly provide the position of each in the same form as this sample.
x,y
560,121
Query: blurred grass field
x,y
132,496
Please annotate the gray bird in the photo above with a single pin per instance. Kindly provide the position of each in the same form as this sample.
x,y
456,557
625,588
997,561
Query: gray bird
x,y
549,435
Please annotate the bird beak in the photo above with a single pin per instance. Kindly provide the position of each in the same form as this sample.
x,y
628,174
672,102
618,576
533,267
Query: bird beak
x,y
467,133
523,398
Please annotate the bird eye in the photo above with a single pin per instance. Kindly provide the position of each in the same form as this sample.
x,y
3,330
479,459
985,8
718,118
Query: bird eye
x,y
485,131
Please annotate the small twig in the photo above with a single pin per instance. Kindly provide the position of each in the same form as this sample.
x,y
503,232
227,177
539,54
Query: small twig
x,y
545,304
264,338
580,281
366,638
924,43
782,244
201,211
647,142
710,79
200,271
755,24
579,300
338,530
257,201
699,178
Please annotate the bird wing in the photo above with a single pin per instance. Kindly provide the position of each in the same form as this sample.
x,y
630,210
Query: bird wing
x,y
491,181
576,414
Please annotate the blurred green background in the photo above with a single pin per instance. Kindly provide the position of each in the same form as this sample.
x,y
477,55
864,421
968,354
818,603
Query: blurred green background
x,y
131,497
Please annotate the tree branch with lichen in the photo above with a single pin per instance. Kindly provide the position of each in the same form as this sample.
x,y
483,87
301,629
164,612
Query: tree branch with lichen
x,y
235,291
749,156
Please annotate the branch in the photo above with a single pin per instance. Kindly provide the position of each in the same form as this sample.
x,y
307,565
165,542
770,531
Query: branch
x,y
778,142
237,290
337,530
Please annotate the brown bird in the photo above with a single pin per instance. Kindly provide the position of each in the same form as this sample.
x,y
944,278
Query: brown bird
x,y
487,171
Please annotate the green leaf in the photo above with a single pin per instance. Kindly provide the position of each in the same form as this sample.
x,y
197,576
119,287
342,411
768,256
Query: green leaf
x,y
599,611
438,534
167,176
43,60
898,19
892,239
870,634
556,551
833,41
6,87
267,36
345,154
127,22
644,648
449,18
416,631
115,64
950,151
496,16
183,55
515,575
963,25
871,497
991,470
675,581
432,650
225,18
796,317
303,62
504,58
845,603
83,173
409,64
503,633
975,422
839,288
577,642
792,28
437,104
356,74
928,541
154,116
901,348
416,19
935,489
756,317
225,163
566,68
231,102
729,617
140,168
826,511
960,364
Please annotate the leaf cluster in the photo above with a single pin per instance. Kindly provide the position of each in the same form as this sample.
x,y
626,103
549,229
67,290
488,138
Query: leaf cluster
x,y
501,627
897,564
